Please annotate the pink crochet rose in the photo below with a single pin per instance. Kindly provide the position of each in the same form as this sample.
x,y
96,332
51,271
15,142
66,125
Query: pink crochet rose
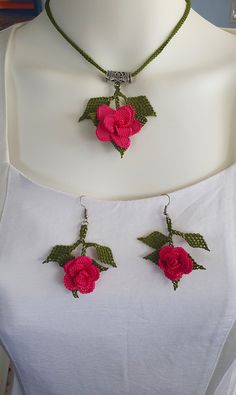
x,y
174,261
81,274
117,125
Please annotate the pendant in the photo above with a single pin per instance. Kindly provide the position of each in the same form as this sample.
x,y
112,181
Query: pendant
x,y
118,124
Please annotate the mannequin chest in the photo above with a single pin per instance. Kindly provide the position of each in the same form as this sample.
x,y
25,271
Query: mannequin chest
x,y
45,98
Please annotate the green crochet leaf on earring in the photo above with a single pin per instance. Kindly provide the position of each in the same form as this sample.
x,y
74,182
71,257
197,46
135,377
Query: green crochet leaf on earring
x,y
100,267
92,105
175,284
193,239
152,257
195,264
155,239
104,253
60,254
75,294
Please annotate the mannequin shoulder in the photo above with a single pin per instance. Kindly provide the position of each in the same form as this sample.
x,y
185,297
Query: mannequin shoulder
x,y
4,35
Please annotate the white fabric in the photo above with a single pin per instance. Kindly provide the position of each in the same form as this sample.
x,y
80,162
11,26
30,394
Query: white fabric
x,y
227,385
133,335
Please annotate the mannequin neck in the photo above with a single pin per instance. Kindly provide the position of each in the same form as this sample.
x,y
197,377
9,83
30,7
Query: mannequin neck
x,y
118,38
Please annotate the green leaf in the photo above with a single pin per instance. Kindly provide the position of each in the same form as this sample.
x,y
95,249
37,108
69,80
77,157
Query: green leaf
x,y
175,284
121,150
142,105
152,257
93,117
141,118
75,294
92,106
104,253
155,239
100,267
193,239
60,254
195,264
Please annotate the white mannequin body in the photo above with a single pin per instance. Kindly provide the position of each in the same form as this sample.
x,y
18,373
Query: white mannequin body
x,y
191,85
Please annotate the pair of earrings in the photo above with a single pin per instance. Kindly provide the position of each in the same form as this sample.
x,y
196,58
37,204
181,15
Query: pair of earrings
x,y
82,272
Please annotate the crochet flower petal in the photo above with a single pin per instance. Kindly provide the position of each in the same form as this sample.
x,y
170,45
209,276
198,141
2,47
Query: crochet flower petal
x,y
84,259
124,115
165,250
103,111
68,264
94,272
108,122
69,283
136,126
74,268
123,132
85,284
102,133
123,142
173,275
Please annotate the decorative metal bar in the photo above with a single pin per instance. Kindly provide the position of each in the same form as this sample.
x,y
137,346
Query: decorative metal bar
x,y
118,77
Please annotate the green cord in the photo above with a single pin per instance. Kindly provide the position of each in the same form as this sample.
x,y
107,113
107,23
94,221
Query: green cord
x,y
151,57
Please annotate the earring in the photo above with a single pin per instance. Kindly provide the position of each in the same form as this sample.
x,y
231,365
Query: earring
x,y
81,272
173,261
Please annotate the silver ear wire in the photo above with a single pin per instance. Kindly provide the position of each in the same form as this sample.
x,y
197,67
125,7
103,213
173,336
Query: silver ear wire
x,y
165,208
85,220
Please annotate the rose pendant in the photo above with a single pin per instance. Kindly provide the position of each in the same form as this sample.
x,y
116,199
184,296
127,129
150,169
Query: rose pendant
x,y
118,124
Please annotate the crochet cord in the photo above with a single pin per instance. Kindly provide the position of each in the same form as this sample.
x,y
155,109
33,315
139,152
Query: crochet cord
x,y
147,61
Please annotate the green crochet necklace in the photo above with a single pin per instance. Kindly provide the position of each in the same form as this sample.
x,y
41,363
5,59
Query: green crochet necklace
x,y
118,117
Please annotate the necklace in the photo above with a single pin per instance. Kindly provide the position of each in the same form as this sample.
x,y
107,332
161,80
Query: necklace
x,y
118,124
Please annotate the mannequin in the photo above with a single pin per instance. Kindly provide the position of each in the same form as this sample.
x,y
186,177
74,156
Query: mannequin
x,y
190,85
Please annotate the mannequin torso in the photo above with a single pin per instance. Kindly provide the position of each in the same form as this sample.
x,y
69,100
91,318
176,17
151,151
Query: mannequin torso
x,y
190,85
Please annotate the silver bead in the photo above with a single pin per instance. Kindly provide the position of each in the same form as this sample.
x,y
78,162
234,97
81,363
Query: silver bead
x,y
120,77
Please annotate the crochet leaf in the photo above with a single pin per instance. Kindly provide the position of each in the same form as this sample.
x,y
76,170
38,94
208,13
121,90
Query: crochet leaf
x,y
175,284
195,264
155,239
152,257
121,150
193,239
142,106
104,253
75,294
93,117
92,105
60,254
100,267
140,118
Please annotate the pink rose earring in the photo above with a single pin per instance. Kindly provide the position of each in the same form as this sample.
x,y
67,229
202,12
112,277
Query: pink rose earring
x,y
173,261
81,271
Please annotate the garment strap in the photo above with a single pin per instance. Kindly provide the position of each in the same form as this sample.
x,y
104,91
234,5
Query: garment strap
x,y
5,40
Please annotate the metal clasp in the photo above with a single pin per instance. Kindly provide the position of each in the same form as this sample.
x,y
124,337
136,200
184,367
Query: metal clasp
x,y
118,77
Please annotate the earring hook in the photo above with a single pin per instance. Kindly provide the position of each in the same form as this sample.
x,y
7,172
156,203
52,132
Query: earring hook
x,y
81,201
85,220
165,208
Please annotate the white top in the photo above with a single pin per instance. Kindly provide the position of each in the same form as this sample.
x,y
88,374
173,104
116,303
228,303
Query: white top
x,y
133,335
